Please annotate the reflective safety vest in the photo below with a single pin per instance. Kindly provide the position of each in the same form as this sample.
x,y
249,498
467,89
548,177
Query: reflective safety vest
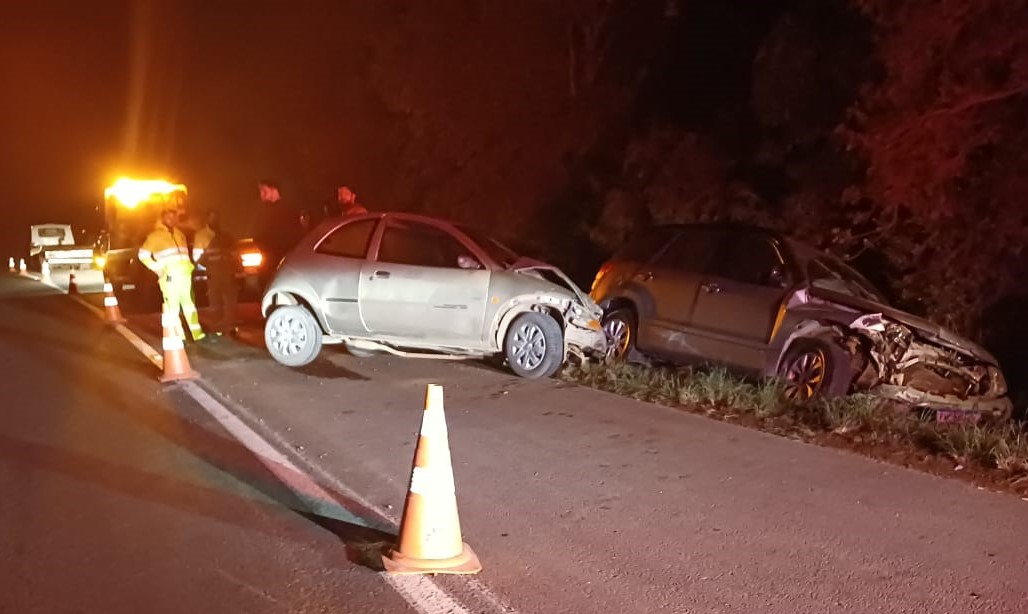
x,y
165,251
201,242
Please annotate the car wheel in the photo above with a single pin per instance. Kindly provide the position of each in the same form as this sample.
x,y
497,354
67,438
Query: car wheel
x,y
292,336
620,326
534,345
816,368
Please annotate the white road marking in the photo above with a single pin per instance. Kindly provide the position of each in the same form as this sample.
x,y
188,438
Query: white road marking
x,y
420,592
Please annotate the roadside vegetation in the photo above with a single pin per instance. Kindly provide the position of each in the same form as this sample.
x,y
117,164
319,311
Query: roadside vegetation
x,y
990,455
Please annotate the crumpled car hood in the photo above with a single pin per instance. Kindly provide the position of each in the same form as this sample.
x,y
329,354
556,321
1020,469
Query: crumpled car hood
x,y
530,264
927,330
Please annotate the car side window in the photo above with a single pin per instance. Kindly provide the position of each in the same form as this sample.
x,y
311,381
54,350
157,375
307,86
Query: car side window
x,y
349,240
691,252
749,259
423,245
642,247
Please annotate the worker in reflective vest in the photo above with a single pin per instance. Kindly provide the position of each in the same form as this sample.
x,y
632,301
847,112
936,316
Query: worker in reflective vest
x,y
166,253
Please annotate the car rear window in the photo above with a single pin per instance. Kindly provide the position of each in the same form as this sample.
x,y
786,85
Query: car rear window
x,y
49,233
349,240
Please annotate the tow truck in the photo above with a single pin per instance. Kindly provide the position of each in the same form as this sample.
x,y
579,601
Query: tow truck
x,y
132,208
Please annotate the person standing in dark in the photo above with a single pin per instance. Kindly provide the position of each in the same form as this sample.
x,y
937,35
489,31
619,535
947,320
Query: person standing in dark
x,y
214,250
347,204
276,230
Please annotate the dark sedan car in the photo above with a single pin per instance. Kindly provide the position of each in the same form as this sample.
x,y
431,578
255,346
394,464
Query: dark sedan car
x,y
758,302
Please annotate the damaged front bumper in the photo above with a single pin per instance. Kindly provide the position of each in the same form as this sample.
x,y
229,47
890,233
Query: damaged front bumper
x,y
907,365
998,409
587,343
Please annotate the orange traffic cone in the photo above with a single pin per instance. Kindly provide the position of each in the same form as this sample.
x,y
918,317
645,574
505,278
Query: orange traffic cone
x,y
176,363
112,312
10,265
21,265
430,538
73,287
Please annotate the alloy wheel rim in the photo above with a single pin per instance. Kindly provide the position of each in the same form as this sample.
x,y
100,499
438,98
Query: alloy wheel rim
x,y
805,375
619,334
288,335
529,346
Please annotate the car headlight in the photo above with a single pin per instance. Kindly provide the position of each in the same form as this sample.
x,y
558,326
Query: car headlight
x,y
999,382
584,318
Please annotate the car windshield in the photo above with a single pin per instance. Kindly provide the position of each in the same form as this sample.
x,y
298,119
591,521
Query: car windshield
x,y
831,273
503,255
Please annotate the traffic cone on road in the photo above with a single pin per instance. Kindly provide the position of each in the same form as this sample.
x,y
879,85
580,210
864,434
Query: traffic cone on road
x,y
112,312
21,265
176,363
430,538
73,288
10,265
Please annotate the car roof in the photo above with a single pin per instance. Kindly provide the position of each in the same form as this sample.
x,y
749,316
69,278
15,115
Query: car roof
x,y
402,215
721,226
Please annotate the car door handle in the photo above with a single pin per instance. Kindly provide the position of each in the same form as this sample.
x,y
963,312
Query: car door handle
x,y
710,287
382,274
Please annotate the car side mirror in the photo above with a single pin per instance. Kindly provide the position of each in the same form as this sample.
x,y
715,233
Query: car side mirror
x,y
778,277
467,262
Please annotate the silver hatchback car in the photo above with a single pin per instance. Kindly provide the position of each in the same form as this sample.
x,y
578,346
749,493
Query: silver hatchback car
x,y
413,285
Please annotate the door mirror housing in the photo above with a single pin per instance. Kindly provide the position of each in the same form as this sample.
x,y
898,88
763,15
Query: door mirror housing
x,y
468,262
778,277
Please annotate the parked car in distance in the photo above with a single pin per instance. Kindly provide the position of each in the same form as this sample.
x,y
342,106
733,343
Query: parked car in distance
x,y
758,302
413,285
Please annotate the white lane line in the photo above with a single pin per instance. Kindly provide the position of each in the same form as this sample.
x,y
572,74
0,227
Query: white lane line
x,y
420,592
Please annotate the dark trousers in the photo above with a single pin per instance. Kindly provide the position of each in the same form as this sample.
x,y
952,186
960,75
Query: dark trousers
x,y
222,293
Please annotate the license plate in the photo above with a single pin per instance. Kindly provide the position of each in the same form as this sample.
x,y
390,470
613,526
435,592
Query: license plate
x,y
949,416
129,287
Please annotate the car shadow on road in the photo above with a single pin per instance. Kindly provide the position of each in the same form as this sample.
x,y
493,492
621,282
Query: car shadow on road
x,y
216,504
324,368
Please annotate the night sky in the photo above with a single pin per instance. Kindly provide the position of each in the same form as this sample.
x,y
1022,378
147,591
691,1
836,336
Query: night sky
x,y
215,94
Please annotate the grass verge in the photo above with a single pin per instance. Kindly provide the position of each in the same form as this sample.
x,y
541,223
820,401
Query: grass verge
x,y
989,455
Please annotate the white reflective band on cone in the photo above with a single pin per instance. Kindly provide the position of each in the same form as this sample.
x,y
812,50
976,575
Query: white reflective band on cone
x,y
110,301
108,287
172,343
425,481
169,319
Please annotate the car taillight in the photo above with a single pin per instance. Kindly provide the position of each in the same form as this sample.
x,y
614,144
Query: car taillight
x,y
251,260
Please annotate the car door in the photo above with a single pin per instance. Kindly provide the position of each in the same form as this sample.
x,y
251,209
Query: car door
x,y
335,273
668,287
424,285
738,300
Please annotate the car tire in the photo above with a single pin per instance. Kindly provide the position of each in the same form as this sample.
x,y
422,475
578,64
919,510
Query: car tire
x,y
534,345
292,336
620,326
815,367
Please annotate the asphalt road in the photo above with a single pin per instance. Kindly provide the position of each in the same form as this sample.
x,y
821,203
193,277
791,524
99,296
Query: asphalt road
x,y
120,495
575,500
